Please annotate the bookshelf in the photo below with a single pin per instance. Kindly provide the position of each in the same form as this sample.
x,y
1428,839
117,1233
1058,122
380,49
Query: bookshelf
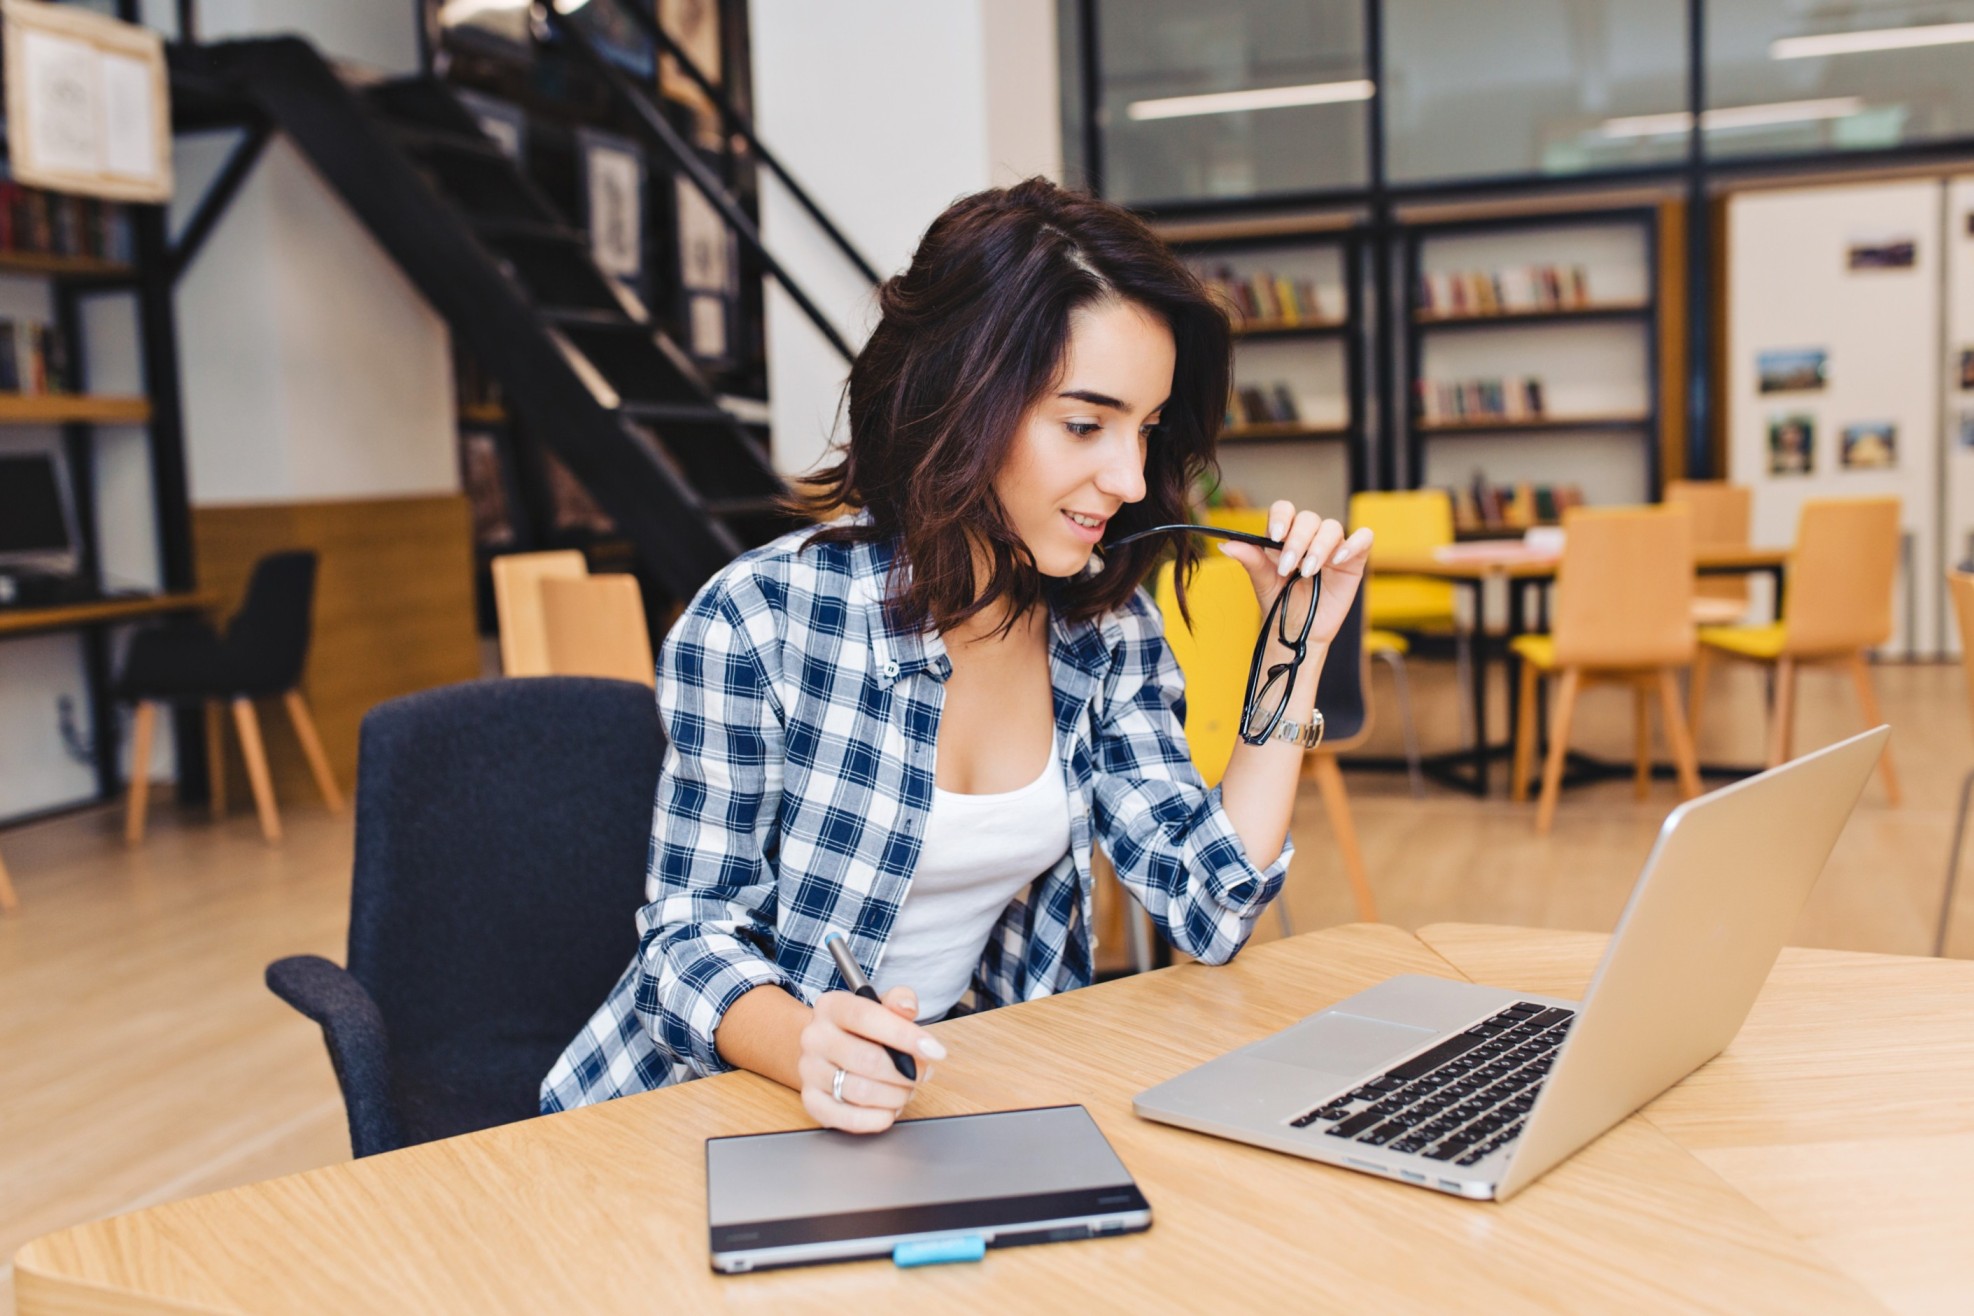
x,y
1533,340
1295,427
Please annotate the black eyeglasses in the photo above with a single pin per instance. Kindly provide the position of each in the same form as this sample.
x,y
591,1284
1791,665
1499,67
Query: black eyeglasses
x,y
1267,697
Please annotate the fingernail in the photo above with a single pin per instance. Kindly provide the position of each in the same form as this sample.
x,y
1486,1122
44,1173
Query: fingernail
x,y
1277,529
930,1048
1285,564
909,1002
1227,548
1309,566
1343,556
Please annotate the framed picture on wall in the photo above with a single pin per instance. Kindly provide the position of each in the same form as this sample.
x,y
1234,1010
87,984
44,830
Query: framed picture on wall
x,y
1792,369
706,264
1870,446
613,197
695,26
1791,444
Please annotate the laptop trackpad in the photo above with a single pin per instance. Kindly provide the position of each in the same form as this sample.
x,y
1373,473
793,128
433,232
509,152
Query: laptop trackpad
x,y
1344,1044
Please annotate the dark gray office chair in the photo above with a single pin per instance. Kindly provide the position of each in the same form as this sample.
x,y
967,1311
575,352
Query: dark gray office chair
x,y
501,835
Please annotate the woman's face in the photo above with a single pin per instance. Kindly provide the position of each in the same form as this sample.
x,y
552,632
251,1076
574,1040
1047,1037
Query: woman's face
x,y
1079,454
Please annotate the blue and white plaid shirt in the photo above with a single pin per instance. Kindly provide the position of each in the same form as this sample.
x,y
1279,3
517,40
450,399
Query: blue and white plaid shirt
x,y
799,772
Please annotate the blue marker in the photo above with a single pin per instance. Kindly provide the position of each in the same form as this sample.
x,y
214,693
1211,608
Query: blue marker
x,y
938,1251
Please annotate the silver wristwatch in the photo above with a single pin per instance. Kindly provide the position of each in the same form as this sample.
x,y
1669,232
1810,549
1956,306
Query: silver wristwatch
x,y
1308,735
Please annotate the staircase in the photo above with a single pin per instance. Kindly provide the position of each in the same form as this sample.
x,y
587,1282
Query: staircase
x,y
584,369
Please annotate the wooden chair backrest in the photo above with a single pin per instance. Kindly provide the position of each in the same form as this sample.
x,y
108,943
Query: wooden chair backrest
x,y
517,581
1624,589
1960,584
1413,522
595,626
1841,575
1723,515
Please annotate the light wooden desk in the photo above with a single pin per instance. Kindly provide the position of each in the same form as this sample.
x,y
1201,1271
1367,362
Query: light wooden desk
x,y
1522,571
1755,1187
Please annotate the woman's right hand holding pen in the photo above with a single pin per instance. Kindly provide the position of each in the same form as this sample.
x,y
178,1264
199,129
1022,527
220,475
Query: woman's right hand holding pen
x,y
848,1034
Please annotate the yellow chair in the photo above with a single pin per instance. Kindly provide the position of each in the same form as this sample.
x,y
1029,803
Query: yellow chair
x,y
1213,653
1838,605
558,620
1722,514
1388,647
1961,585
1624,613
1413,522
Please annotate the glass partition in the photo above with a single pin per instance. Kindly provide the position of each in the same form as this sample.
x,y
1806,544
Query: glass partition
x,y
1784,77
1498,88
1242,98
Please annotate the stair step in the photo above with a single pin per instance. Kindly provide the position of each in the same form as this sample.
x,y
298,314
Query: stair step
x,y
593,317
421,140
420,101
529,230
678,411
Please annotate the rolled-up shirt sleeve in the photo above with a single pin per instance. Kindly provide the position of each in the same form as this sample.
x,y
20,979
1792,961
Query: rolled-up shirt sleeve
x,y
1166,833
707,935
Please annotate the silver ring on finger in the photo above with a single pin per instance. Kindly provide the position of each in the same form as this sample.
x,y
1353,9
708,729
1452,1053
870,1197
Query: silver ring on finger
x,y
836,1086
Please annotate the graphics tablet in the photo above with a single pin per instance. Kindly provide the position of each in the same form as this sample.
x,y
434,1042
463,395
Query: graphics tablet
x,y
1005,1179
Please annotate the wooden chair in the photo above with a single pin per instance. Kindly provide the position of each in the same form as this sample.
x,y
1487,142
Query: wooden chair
x,y
1722,515
1838,605
1214,652
9,902
1624,613
1961,585
558,620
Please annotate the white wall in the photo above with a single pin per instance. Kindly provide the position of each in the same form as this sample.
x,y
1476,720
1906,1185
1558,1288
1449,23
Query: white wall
x,y
1957,461
1789,287
886,111
381,35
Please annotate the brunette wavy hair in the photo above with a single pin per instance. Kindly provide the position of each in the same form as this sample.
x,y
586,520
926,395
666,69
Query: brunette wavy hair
x,y
971,336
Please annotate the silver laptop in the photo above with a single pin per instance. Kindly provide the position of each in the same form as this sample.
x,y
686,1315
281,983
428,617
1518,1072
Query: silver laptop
x,y
1479,1090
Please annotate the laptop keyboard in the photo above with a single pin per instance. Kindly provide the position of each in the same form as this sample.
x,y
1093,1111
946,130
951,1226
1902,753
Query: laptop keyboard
x,y
1460,1100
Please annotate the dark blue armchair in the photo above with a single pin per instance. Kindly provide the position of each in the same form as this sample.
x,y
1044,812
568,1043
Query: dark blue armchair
x,y
501,835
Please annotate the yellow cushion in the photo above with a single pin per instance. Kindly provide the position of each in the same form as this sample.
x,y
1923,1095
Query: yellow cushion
x,y
1537,649
1763,643
1212,655
1407,601
1385,642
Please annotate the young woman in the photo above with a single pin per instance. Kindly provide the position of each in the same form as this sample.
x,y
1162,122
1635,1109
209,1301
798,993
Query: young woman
x,y
911,725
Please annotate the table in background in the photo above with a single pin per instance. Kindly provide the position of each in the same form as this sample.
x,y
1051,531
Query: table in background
x,y
93,619
1522,570
1757,1186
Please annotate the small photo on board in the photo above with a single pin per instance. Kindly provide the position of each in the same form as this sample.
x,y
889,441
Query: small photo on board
x,y
1791,445
1964,429
1791,369
1967,367
1879,251
1871,446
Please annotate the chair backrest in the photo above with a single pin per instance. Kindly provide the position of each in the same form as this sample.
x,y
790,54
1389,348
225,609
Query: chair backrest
x,y
1624,589
1960,584
267,639
517,581
594,626
1214,652
502,829
1841,575
1413,522
1723,515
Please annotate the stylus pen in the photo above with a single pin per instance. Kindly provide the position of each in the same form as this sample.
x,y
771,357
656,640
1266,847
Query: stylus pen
x,y
853,978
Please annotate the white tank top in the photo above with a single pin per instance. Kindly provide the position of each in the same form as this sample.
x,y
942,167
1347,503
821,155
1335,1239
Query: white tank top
x,y
980,852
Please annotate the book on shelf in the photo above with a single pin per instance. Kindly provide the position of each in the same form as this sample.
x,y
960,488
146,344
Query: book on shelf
x,y
1253,404
1267,297
1502,292
1479,399
33,359
1484,507
42,223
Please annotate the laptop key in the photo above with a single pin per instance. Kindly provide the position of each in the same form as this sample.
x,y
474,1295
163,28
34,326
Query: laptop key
x,y
1381,1135
1356,1124
1427,1061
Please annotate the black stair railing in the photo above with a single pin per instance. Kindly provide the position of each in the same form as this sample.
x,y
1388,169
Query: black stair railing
x,y
652,123
732,121
651,493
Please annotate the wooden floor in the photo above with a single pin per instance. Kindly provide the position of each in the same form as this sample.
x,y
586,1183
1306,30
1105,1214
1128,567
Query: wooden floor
x,y
144,1060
